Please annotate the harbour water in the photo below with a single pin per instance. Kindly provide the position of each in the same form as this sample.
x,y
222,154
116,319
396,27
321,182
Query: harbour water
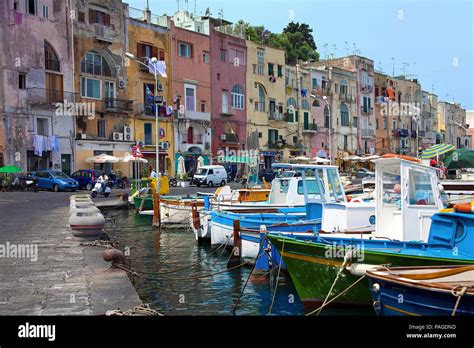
x,y
181,277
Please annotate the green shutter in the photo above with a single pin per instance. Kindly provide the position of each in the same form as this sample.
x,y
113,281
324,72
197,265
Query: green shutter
x,y
306,120
270,69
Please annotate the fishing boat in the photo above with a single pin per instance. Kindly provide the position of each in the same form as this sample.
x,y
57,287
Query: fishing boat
x,y
410,231
438,290
324,206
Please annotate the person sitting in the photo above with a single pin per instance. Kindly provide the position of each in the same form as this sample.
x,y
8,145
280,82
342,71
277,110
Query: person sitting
x,y
103,178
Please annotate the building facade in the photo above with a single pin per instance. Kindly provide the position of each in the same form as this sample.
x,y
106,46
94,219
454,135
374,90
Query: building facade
x,y
228,60
36,130
453,119
145,41
267,129
191,93
100,33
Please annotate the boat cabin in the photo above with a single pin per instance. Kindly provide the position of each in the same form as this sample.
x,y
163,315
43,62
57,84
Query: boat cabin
x,y
407,195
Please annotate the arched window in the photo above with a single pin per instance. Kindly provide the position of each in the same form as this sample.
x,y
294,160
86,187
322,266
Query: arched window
x,y
344,115
261,99
95,64
343,89
238,97
51,60
316,103
291,102
304,104
326,117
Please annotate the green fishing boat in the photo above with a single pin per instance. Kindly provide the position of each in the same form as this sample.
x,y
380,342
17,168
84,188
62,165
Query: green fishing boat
x,y
410,231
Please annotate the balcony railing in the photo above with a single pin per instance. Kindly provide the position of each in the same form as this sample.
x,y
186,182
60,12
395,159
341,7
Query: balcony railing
x,y
346,97
310,128
367,133
43,96
366,110
103,33
277,116
119,105
366,88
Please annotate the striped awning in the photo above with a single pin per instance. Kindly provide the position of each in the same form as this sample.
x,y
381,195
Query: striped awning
x,y
437,150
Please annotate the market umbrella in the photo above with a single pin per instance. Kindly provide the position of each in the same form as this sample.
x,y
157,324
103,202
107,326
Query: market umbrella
x,y
437,150
460,158
200,162
300,159
181,167
10,169
316,160
129,158
103,158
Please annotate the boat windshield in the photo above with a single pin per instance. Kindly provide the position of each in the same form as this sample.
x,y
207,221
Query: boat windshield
x,y
201,171
391,189
311,186
334,183
420,192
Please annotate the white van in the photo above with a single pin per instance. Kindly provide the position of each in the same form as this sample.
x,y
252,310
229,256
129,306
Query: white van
x,y
210,176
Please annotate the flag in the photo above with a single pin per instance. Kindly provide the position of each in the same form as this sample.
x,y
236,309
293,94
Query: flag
x,y
158,67
149,94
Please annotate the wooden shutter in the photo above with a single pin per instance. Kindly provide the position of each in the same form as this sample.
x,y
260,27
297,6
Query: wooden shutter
x,y
139,50
92,16
107,20
154,52
162,55
81,17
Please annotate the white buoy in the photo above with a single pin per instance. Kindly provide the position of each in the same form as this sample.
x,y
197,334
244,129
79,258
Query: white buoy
x,y
81,204
84,224
83,209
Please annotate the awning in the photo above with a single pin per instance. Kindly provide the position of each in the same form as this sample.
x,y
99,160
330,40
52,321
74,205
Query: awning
x,y
437,150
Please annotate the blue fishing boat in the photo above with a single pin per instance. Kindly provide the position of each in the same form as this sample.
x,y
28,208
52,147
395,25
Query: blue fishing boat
x,y
437,290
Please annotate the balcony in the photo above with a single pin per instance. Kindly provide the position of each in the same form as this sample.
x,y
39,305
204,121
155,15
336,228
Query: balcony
x,y
366,88
310,128
103,33
276,116
117,105
197,116
367,133
366,110
346,97
49,97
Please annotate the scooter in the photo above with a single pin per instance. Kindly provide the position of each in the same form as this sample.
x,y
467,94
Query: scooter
x,y
99,189
173,181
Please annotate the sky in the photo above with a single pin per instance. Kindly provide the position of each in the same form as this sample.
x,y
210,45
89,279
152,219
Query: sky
x,y
434,38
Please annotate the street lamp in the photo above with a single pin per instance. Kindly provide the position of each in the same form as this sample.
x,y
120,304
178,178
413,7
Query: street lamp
x,y
153,60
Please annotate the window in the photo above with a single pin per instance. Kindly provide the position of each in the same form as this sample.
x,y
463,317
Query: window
x,y
419,187
95,64
45,12
205,57
344,115
51,61
81,17
223,55
90,88
148,130
272,137
306,120
32,7
345,142
355,122
377,123
343,89
190,93
185,50
304,104
326,117
312,187
237,57
261,64
291,109
260,105
385,122
203,107
238,97
323,83
109,94
16,7
99,17
270,69
161,55
316,103
21,81
394,124
42,126
101,128
280,72
315,83
225,102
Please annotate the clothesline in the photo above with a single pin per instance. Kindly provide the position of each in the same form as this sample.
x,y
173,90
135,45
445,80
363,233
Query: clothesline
x,y
43,143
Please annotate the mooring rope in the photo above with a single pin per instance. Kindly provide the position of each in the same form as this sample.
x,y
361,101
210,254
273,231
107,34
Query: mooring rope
x,y
278,277
459,295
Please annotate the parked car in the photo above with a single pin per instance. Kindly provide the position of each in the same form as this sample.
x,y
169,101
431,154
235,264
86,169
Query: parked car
x,y
86,178
363,173
210,176
55,180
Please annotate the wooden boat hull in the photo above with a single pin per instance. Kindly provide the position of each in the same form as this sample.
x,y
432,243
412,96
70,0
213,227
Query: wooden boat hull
x,y
396,295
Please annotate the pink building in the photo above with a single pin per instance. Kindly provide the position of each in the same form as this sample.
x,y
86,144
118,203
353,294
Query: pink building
x,y
228,79
191,90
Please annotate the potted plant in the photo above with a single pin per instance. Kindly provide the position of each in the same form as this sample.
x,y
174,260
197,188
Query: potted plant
x,y
183,180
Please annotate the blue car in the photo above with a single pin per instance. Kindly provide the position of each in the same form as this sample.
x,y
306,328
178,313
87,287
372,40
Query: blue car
x,y
55,180
86,178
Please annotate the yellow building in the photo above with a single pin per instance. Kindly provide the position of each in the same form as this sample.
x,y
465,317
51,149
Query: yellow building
x,y
150,40
267,125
